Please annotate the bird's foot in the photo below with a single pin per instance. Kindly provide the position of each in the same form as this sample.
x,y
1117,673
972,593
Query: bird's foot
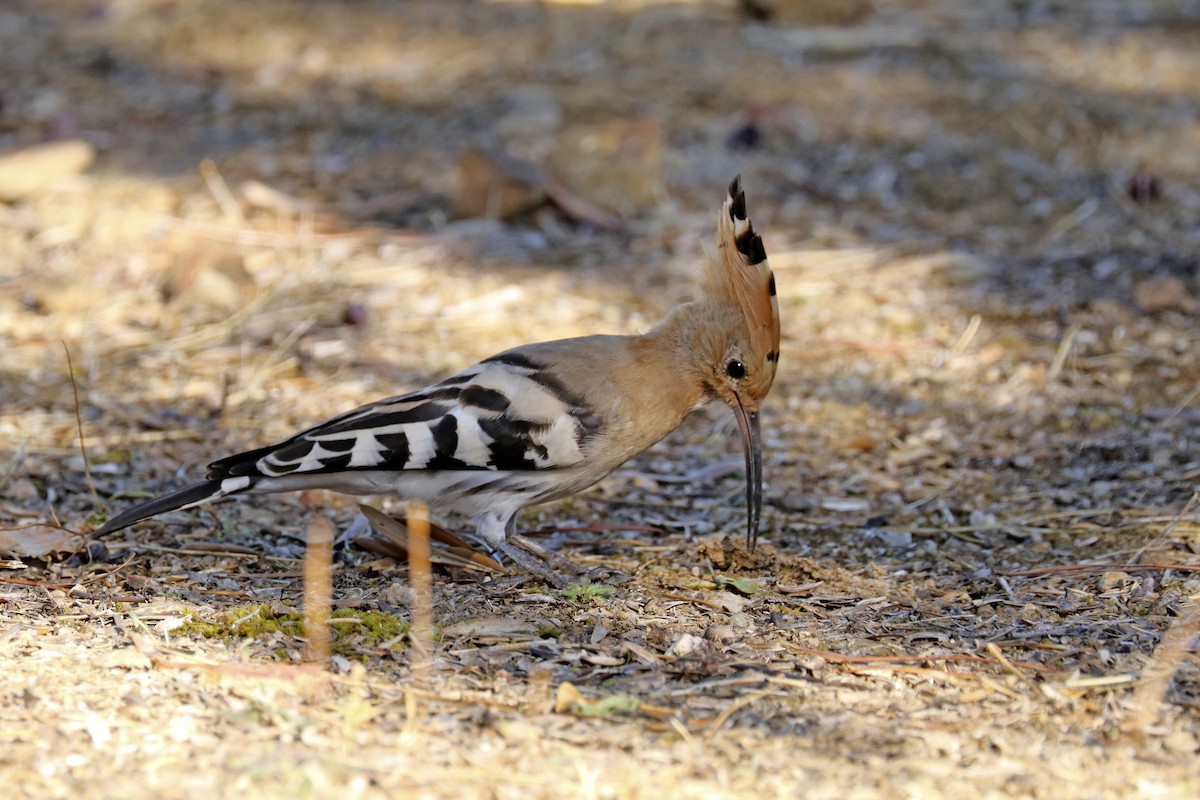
x,y
551,557
536,562
555,568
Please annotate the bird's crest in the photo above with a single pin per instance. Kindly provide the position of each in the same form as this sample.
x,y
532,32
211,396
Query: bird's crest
x,y
739,274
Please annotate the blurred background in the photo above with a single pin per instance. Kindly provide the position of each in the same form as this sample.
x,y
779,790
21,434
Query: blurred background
x,y
984,216
984,219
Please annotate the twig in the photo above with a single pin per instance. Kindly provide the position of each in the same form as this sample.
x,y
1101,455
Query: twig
x,y
218,547
1067,568
682,598
1030,523
82,582
1060,355
113,598
958,678
595,527
838,658
220,191
1191,503
247,576
678,726
967,335
1068,221
101,576
1181,405
995,653
184,551
87,466
734,707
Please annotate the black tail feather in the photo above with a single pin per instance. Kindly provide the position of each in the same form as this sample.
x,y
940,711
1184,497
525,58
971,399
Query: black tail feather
x,y
189,495
242,464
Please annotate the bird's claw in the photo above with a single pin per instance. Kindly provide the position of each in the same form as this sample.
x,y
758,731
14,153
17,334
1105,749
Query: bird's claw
x,y
535,563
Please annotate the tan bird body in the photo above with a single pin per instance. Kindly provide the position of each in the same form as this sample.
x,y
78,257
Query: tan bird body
x,y
541,421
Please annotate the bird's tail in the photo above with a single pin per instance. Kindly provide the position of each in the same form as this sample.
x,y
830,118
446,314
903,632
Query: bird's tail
x,y
195,494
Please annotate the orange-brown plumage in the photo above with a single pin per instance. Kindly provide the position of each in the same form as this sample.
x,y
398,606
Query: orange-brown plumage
x,y
740,275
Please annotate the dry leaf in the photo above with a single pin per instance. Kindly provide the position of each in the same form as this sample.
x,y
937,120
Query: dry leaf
x,y
38,541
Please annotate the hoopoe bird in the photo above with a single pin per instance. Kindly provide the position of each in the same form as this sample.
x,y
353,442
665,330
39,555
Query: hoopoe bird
x,y
542,421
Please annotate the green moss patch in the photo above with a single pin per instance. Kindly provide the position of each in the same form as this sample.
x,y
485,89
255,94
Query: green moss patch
x,y
349,628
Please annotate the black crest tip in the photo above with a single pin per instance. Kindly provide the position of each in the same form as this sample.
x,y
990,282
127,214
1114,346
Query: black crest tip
x,y
737,208
750,244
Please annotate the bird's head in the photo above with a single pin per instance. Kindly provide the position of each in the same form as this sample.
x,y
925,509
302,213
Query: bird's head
x,y
741,334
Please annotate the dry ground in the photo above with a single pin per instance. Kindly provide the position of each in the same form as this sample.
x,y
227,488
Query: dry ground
x,y
984,219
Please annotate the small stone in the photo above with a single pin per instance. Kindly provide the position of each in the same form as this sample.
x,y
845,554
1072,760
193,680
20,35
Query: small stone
x,y
808,12
894,539
22,490
731,603
960,269
615,166
209,277
741,621
1144,188
355,315
714,550
267,198
1165,293
27,171
844,504
1113,579
1180,742
720,633
494,186
1031,613
62,294
686,645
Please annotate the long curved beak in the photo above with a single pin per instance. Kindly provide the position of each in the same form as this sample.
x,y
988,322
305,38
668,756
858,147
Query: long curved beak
x,y
752,445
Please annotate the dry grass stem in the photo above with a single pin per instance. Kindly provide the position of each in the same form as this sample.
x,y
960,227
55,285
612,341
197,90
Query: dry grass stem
x,y
318,588
420,576
87,467
1060,355
220,191
997,654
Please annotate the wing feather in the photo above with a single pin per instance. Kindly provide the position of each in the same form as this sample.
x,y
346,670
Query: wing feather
x,y
506,414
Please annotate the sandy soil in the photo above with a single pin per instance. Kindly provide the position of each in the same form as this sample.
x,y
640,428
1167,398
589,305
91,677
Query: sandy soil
x,y
978,575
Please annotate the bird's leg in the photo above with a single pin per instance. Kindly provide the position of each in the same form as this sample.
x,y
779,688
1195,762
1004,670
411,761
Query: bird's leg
x,y
359,526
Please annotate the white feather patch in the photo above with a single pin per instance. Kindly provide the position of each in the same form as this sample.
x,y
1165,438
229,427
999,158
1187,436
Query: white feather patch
x,y
366,451
231,485
561,442
420,444
471,449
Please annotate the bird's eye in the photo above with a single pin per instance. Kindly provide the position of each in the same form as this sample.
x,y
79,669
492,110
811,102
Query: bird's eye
x,y
735,369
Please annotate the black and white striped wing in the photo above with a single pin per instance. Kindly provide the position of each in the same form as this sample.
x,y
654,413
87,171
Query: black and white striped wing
x,y
506,413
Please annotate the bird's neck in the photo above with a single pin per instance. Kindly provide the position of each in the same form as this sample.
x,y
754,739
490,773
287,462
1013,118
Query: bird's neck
x,y
673,352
